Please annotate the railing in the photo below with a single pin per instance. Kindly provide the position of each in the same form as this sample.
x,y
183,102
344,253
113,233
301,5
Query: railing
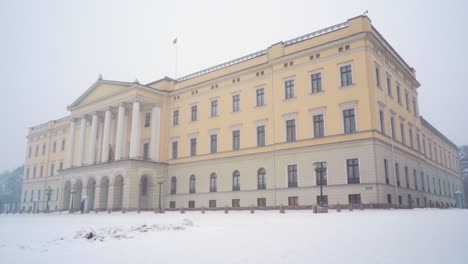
x,y
316,33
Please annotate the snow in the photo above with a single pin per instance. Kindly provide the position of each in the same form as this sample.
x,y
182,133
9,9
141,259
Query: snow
x,y
370,236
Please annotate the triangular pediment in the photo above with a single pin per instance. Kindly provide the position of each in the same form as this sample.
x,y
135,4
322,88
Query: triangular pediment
x,y
99,90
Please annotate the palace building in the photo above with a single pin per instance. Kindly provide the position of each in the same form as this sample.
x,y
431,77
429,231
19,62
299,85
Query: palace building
x,y
337,107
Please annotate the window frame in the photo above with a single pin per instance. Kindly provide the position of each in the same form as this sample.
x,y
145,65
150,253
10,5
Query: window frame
x,y
346,64
289,92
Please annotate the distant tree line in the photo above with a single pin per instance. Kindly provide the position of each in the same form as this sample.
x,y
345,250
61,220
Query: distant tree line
x,y
10,190
463,150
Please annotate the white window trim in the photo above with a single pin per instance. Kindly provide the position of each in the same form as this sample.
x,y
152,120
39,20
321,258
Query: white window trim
x,y
293,78
287,117
342,64
173,139
259,123
320,70
287,176
232,102
346,158
172,116
348,106
236,127
190,113
319,111
264,96
378,85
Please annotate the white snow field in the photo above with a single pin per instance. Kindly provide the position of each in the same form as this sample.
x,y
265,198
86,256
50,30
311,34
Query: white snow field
x,y
370,236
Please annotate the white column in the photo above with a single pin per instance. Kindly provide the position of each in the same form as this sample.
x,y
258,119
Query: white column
x,y
135,134
120,132
105,138
71,144
155,132
81,141
92,140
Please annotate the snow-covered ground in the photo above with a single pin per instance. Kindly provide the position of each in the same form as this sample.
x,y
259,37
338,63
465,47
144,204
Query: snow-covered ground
x,y
371,236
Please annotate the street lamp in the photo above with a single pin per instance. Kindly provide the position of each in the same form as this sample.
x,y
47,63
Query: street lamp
x,y
48,193
160,181
320,168
72,191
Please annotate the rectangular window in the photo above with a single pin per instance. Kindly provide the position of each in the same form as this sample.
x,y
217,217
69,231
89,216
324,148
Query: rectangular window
x,y
43,149
392,124
214,108
174,150
29,154
320,175
289,89
349,121
424,145
34,172
261,202
400,200
407,179
54,146
212,203
260,97
354,198
352,166
260,136
41,173
346,75
398,90
146,151
418,142
172,204
61,165
291,130
389,86
236,103
316,80
387,180
423,184
415,109
319,128
292,175
214,143
407,102
236,139
175,117
27,173
293,201
389,199
147,119
411,137
52,169
63,144
397,173
193,147
403,138
37,150
377,75
382,121
235,202
193,116
191,204
324,200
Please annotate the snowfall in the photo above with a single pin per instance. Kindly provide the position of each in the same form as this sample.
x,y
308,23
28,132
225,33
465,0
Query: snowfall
x,y
370,236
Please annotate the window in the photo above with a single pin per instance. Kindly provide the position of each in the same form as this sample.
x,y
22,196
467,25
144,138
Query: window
x,y
175,117
389,199
174,149
39,195
293,201
352,166
324,199
397,173
147,119
407,179
41,171
389,86
260,136
52,169
212,203
61,165
235,202
319,128
411,137
236,139
32,194
424,145
407,102
214,108
402,128
54,146
43,149
34,172
400,200
192,184
320,176
349,121
292,175
382,121
27,173
236,181
261,202
261,179
354,198
193,147
387,180
260,97
236,103
428,184
146,151
377,75
144,186
173,185
289,91
316,80
63,144
25,194
29,154
291,130
213,182
392,124
37,150
191,204
398,90
423,184
193,116
415,109
172,204
214,143
418,142
346,75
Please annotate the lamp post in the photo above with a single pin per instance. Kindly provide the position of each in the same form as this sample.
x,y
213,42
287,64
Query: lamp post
x,y
320,169
160,181
72,191
48,193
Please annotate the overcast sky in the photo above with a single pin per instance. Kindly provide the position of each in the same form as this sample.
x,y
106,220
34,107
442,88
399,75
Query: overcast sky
x,y
52,51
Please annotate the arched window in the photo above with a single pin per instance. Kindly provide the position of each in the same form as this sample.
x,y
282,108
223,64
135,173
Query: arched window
x,y
236,181
173,185
144,186
261,178
213,182
192,184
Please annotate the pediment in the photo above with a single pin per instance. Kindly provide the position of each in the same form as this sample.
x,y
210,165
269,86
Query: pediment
x,y
99,90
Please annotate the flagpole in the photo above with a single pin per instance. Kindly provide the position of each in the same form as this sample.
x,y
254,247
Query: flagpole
x,y
176,57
